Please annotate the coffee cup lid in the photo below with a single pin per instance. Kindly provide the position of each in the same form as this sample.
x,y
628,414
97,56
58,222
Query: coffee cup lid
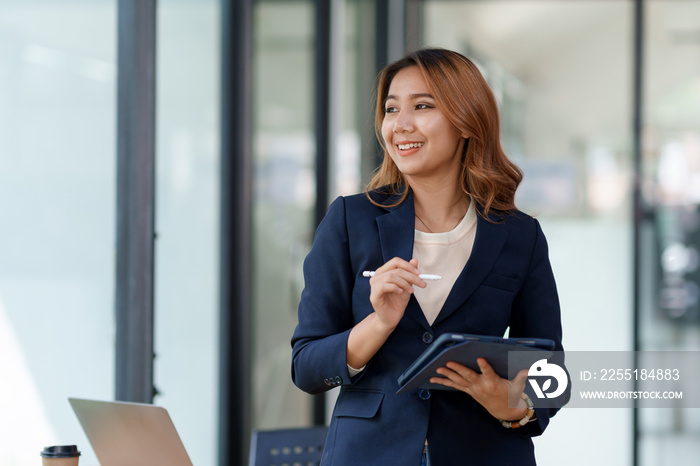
x,y
60,451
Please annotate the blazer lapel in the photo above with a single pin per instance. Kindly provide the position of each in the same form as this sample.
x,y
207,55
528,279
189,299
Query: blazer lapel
x,y
488,243
396,231
396,234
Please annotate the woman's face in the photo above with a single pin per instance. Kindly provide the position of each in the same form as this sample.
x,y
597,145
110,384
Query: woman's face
x,y
421,141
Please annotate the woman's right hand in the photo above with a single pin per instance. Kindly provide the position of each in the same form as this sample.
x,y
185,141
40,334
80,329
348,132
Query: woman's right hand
x,y
391,288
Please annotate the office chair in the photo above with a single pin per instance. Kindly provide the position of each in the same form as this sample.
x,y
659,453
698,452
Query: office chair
x,y
290,447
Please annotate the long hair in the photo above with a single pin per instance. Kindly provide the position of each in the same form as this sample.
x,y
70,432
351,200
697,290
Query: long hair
x,y
462,94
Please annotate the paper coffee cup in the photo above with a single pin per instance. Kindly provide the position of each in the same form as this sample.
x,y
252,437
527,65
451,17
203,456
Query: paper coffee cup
x,y
60,455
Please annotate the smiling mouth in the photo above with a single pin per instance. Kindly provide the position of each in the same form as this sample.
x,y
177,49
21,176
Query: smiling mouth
x,y
410,146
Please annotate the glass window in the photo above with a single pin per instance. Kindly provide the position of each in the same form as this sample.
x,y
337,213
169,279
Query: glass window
x,y
670,273
187,221
57,202
284,163
562,75
283,203
355,153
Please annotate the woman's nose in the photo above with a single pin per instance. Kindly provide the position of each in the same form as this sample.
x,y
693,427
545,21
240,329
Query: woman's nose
x,y
403,122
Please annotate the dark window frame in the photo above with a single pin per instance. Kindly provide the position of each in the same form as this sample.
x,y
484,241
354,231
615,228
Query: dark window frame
x,y
134,287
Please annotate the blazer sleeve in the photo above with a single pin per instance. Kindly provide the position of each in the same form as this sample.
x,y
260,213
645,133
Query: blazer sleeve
x,y
319,343
536,313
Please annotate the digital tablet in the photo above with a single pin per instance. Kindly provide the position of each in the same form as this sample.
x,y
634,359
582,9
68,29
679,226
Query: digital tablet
x,y
465,348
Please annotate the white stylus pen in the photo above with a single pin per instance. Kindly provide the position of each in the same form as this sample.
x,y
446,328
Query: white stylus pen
x,y
424,276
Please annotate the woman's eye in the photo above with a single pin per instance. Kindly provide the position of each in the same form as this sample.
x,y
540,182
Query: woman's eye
x,y
390,110
423,106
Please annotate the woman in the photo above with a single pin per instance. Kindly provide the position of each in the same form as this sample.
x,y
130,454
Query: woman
x,y
441,203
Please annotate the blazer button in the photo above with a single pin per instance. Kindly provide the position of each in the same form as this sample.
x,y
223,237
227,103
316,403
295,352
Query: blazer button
x,y
338,380
424,394
328,382
427,337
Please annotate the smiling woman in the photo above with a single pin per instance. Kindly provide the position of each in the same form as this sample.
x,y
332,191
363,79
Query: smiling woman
x,y
451,84
441,203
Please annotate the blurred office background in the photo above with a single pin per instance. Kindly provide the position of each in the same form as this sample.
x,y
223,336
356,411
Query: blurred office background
x,y
600,107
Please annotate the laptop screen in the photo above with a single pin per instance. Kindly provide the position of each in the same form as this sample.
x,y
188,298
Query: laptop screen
x,y
131,434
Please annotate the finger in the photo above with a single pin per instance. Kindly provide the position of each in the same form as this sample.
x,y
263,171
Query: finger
x,y
462,370
383,288
486,368
398,263
454,376
400,276
448,383
516,388
520,380
421,283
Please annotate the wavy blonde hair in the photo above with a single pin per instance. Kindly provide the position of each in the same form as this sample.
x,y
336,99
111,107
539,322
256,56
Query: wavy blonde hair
x,y
462,94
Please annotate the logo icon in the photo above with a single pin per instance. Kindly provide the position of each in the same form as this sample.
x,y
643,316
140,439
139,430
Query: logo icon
x,y
542,368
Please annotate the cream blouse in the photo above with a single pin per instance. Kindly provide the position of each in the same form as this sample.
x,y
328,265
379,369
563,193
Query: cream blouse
x,y
443,254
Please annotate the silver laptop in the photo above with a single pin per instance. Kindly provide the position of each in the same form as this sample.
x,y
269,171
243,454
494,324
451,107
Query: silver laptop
x,y
130,434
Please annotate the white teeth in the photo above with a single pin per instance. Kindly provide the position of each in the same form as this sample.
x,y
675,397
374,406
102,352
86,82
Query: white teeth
x,y
411,145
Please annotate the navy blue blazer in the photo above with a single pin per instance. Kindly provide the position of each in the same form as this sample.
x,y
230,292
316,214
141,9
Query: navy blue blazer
x,y
507,281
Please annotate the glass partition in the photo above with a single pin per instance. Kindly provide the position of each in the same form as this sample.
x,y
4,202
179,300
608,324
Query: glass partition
x,y
284,164
670,258
283,203
356,151
562,75
186,367
57,202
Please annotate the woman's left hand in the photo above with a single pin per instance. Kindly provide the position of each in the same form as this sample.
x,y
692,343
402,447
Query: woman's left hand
x,y
491,391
